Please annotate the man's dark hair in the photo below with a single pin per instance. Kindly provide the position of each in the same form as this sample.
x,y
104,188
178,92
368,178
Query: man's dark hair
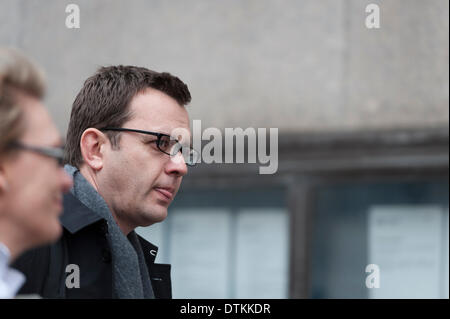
x,y
105,98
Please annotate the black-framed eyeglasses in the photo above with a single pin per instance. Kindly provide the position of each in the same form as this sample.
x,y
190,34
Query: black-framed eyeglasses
x,y
56,153
166,144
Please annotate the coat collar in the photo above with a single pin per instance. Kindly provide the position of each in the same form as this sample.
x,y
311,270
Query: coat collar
x,y
149,250
76,215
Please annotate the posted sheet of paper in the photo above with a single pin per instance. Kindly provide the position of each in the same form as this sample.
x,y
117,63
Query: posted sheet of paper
x,y
406,243
262,254
199,251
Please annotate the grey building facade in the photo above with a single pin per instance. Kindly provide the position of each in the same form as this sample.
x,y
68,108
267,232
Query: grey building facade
x,y
362,117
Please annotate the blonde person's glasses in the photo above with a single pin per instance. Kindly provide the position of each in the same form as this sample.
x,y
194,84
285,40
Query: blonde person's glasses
x,y
56,153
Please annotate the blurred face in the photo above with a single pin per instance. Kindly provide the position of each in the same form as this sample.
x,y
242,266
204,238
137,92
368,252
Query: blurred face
x,y
137,181
32,199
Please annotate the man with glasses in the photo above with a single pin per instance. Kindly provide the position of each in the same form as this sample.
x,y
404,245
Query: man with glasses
x,y
32,179
128,148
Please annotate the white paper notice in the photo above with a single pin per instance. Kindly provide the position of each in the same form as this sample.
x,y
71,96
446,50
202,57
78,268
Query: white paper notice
x,y
262,253
406,243
199,251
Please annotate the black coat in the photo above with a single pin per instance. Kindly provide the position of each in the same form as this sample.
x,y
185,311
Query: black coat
x,y
83,243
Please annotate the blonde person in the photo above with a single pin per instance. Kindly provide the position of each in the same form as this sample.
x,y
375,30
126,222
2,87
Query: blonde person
x,y
32,179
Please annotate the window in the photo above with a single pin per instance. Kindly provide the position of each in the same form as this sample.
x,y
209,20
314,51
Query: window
x,y
225,244
401,227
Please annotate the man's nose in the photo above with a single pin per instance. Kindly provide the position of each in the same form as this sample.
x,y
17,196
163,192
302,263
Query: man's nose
x,y
176,165
66,181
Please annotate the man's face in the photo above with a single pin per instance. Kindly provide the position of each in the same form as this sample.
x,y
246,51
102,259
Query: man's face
x,y
35,183
138,181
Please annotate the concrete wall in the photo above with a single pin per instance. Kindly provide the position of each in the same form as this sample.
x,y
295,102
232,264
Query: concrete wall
x,y
300,65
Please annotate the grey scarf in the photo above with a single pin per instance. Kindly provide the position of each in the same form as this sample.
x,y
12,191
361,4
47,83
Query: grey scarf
x,y
129,270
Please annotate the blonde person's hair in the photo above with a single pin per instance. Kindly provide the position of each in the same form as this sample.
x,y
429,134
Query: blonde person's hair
x,y
17,74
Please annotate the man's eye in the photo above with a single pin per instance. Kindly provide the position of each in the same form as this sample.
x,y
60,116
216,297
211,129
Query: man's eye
x,y
164,144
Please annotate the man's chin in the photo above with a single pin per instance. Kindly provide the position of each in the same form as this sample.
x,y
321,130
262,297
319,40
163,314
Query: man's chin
x,y
155,216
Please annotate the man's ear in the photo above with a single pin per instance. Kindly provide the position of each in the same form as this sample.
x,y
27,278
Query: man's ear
x,y
92,145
